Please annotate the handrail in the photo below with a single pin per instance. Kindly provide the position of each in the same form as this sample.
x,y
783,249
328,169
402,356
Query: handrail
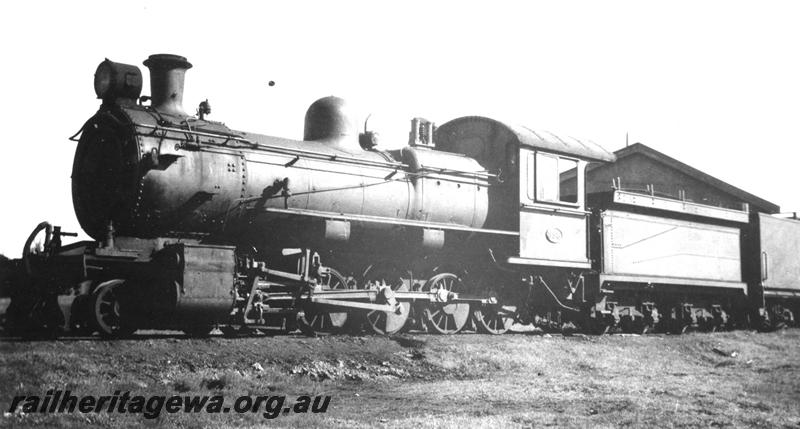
x,y
299,152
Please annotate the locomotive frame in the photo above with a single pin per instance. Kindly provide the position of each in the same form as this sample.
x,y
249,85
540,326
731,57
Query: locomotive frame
x,y
476,224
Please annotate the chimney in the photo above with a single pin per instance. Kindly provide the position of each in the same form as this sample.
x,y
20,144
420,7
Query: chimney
x,y
167,73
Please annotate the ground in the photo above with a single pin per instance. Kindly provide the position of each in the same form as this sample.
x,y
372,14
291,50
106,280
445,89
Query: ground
x,y
735,379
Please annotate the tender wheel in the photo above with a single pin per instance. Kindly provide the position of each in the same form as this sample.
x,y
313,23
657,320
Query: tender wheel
x,y
600,328
313,320
107,316
494,320
781,317
445,318
642,327
633,325
598,324
679,328
230,331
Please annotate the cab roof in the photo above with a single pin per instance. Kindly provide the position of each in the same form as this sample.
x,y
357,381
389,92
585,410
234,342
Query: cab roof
x,y
536,139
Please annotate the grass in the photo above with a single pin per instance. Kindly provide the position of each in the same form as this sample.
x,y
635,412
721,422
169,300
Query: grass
x,y
467,380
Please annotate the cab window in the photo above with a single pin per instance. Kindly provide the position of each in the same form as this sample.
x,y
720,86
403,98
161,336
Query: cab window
x,y
554,174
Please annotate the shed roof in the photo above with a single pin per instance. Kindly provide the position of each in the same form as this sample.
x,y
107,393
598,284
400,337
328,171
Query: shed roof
x,y
639,148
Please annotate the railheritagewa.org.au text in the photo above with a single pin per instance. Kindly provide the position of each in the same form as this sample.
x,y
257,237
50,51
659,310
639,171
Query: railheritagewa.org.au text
x,y
151,407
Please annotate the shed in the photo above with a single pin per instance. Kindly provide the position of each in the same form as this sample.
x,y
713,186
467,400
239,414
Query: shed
x,y
641,168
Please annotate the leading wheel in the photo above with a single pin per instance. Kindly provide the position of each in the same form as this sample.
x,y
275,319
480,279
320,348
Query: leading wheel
x,y
81,315
445,318
315,320
32,314
108,315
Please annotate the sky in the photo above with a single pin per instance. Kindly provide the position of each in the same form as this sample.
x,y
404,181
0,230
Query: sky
x,y
715,84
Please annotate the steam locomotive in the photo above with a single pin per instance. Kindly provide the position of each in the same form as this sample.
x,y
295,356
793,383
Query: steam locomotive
x,y
476,224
